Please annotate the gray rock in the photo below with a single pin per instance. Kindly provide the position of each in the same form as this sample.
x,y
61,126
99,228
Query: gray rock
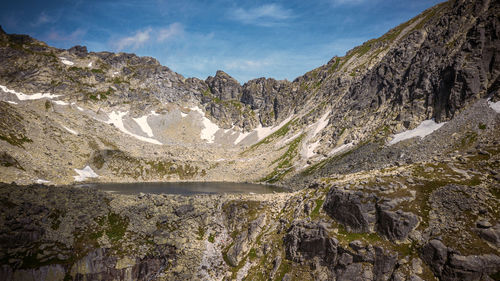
x,y
491,235
395,225
245,240
305,240
353,210
449,265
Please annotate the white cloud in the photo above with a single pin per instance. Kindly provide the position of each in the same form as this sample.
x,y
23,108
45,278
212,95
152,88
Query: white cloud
x,y
43,18
168,32
141,37
73,37
135,41
265,15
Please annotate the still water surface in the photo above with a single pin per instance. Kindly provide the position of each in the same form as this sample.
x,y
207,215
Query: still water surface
x,y
185,188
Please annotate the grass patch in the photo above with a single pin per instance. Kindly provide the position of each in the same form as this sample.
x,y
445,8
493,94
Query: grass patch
x,y
117,226
279,133
285,164
201,232
16,140
315,213
211,238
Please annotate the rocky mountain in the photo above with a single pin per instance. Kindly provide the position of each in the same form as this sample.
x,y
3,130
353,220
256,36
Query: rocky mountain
x,y
391,153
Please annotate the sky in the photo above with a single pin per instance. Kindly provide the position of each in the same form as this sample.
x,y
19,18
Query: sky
x,y
248,39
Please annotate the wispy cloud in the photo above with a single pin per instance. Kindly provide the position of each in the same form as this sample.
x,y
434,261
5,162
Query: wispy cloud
x,y
43,18
147,35
171,31
75,36
135,41
265,15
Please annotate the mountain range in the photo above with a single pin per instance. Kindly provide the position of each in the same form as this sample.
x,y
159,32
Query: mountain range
x,y
390,153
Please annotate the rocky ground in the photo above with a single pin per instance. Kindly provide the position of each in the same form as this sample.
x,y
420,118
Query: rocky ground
x,y
418,221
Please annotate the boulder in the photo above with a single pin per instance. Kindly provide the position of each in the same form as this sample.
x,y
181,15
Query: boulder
x,y
395,225
244,241
355,210
449,265
305,241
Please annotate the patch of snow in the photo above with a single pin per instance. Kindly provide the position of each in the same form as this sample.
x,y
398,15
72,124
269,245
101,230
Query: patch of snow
x,y
60,102
341,148
116,118
283,142
90,64
321,124
42,181
143,123
310,149
262,132
12,102
66,61
425,128
22,96
183,114
495,106
209,128
85,173
69,130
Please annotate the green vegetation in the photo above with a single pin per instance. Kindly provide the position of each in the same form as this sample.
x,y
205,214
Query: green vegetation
x,y
97,71
55,217
333,68
16,140
48,105
117,226
201,232
315,213
278,134
482,126
285,164
211,238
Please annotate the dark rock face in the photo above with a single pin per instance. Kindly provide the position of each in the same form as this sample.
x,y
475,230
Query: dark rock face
x,y
351,209
307,243
362,212
304,241
449,265
224,86
490,234
437,71
395,225
80,51
244,241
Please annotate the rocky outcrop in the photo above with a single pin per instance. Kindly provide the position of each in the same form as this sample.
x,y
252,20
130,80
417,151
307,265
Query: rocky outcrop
x,y
310,243
224,86
365,212
355,211
435,71
245,240
395,225
305,241
449,265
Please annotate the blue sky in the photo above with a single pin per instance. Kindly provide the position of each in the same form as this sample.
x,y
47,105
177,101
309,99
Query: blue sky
x,y
247,39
